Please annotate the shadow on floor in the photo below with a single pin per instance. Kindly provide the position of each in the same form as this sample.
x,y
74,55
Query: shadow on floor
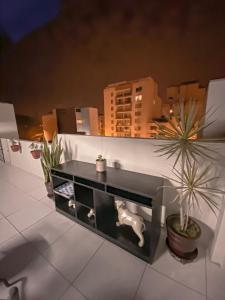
x,y
14,260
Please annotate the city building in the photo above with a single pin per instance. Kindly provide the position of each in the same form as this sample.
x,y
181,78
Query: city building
x,y
130,106
190,91
101,124
87,120
71,120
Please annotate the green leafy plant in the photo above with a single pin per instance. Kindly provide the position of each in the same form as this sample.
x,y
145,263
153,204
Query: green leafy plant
x,y
182,135
51,156
194,187
35,146
181,140
14,142
100,158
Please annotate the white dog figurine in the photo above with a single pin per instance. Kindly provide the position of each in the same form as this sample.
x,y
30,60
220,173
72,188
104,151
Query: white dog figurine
x,y
71,203
91,213
131,219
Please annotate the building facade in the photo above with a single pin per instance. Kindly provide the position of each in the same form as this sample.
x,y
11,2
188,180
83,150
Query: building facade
x,y
130,106
82,120
87,120
190,91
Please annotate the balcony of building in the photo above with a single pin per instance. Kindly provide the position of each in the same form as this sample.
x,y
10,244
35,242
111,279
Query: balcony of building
x,y
122,116
124,108
124,123
123,101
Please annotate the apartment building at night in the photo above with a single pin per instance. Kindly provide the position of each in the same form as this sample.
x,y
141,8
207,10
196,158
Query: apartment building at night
x,y
130,106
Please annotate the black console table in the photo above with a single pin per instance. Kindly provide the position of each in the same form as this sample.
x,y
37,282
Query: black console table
x,y
92,190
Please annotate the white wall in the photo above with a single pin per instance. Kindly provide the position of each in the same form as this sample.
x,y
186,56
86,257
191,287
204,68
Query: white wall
x,y
216,104
22,159
8,126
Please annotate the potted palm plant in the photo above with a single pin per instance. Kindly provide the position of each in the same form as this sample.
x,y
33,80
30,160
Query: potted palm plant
x,y
192,183
36,150
51,155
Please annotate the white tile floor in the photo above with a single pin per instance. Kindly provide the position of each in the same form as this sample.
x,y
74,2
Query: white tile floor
x,y
50,257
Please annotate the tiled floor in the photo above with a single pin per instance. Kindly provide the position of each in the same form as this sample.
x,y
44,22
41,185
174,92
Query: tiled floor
x,y
50,257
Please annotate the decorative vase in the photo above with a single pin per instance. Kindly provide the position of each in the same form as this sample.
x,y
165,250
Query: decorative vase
x,y
49,188
101,165
15,148
182,246
36,153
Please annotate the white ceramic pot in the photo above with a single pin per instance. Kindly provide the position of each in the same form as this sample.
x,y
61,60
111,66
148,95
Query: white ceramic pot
x,y
101,165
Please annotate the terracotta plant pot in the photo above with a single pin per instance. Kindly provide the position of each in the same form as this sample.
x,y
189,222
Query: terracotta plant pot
x,y
182,246
49,188
36,153
15,148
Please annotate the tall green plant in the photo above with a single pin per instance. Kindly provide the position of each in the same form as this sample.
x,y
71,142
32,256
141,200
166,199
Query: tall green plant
x,y
182,142
51,155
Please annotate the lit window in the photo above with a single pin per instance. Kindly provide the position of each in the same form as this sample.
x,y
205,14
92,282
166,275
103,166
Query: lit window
x,y
79,121
138,98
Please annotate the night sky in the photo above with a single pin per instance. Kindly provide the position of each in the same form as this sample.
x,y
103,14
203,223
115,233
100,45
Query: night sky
x,y
92,43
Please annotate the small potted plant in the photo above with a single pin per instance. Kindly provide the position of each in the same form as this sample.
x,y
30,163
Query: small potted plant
x,y
36,150
15,145
100,164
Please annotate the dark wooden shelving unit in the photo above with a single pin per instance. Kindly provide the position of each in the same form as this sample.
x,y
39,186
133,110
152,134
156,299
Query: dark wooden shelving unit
x,y
98,191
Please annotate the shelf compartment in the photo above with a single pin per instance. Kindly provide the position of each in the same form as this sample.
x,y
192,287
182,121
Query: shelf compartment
x,y
124,236
129,195
82,215
65,190
84,195
91,183
62,204
62,175
58,181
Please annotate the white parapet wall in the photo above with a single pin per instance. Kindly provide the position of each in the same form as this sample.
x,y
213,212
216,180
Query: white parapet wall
x,y
136,155
22,159
8,126
215,106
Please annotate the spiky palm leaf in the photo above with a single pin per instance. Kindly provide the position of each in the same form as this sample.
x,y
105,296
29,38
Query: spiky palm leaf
x,y
180,136
192,185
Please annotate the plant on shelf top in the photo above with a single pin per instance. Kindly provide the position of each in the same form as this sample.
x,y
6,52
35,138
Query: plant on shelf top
x,y
51,155
100,158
